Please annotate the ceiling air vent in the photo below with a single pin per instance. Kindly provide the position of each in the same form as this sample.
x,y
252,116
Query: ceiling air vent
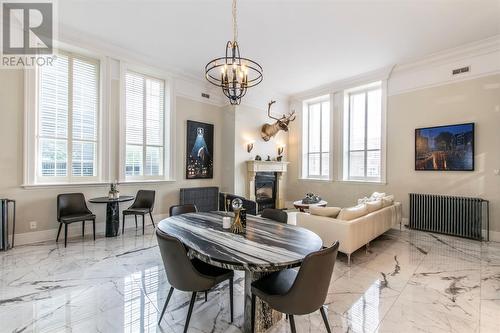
x,y
204,95
460,70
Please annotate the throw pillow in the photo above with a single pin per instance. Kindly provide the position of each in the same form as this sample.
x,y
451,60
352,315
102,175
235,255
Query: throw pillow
x,y
352,213
388,200
363,200
377,195
374,205
324,211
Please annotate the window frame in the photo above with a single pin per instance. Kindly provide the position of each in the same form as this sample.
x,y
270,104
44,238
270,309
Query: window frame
x,y
168,120
305,154
31,124
346,128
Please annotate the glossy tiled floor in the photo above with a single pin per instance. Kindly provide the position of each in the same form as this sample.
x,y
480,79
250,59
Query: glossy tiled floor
x,y
406,282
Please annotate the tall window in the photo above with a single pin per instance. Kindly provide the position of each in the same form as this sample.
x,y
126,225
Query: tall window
x,y
364,134
144,134
316,143
67,137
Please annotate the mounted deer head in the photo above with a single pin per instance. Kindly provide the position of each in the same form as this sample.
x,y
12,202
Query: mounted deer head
x,y
269,130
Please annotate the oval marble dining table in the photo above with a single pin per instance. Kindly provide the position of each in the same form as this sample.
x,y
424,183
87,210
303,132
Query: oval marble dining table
x,y
265,247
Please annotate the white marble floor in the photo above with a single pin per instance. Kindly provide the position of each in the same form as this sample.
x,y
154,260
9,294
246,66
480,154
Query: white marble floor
x,y
406,282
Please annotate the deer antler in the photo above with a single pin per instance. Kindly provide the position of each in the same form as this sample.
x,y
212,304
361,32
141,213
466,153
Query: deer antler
x,y
291,116
269,110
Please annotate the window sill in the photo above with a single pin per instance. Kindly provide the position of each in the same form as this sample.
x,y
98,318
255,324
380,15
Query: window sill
x,y
145,181
370,182
319,180
93,184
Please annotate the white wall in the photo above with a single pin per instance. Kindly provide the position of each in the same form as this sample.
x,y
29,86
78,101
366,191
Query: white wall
x,y
422,93
248,123
39,204
241,125
233,129
475,100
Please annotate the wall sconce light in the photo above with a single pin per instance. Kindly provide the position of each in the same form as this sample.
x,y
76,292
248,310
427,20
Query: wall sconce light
x,y
281,149
249,146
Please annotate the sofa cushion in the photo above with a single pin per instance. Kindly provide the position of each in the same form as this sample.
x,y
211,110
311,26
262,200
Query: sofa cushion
x,y
374,205
352,213
325,211
377,196
388,200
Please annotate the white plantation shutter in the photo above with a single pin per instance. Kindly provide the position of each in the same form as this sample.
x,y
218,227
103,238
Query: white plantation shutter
x,y
364,144
144,118
316,151
68,108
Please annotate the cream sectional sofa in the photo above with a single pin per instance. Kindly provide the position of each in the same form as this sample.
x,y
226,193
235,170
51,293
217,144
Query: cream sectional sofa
x,y
355,233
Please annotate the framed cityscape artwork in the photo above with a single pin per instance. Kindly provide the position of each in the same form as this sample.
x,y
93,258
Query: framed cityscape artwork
x,y
445,148
199,150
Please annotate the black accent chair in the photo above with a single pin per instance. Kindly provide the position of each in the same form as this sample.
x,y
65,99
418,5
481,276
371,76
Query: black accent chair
x,y
143,204
72,207
182,209
192,275
298,293
277,215
249,205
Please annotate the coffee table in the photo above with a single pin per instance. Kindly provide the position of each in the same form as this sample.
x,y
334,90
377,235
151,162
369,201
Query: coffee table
x,y
302,206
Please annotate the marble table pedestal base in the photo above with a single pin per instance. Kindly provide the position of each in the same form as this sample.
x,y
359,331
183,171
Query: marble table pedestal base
x,y
112,218
265,317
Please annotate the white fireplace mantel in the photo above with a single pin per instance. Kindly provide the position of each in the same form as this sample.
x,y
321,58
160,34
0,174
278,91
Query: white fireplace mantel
x,y
280,167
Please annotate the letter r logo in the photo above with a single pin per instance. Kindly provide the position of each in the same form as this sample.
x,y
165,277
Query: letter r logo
x,y
27,28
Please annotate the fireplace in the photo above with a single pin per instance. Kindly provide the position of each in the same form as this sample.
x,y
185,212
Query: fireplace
x,y
264,186
265,190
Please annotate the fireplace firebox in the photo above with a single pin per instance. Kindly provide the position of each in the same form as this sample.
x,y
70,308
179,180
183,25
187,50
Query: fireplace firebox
x,y
265,190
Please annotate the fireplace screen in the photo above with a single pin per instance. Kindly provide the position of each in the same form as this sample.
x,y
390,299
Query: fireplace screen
x,y
264,192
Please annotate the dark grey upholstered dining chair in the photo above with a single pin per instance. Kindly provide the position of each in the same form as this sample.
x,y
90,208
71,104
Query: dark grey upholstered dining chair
x,y
187,274
71,207
277,215
182,209
142,205
298,293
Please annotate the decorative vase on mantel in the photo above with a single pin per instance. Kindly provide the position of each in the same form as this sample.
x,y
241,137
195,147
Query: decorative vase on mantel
x,y
114,193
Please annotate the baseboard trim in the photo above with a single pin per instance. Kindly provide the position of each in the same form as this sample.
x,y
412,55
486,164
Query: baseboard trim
x,y
74,230
494,236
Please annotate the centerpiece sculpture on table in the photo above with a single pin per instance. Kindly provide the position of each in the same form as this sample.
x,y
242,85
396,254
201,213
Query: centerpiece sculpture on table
x,y
237,225
114,193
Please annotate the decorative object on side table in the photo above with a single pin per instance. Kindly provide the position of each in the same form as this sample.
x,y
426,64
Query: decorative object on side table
x,y
258,158
199,154
237,226
311,198
114,193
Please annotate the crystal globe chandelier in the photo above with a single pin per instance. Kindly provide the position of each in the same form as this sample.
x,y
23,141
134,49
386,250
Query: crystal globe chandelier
x,y
233,73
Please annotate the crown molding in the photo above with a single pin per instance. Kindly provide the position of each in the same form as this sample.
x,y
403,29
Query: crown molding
x,y
186,84
424,72
482,57
465,51
346,83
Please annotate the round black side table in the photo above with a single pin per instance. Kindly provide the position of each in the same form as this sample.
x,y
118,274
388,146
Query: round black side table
x,y
112,212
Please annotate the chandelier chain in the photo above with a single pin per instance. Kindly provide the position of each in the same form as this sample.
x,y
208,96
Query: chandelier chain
x,y
235,23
